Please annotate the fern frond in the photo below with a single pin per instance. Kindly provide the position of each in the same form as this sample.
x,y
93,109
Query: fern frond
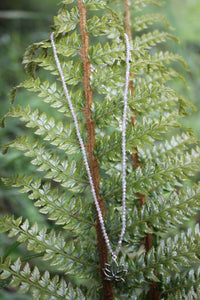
x,y
60,206
105,55
144,132
95,4
56,134
171,261
170,210
52,246
161,76
67,20
165,57
149,98
68,46
150,39
183,286
139,4
161,211
149,178
40,286
169,148
29,58
55,166
142,22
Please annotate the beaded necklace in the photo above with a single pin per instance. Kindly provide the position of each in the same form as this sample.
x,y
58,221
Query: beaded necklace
x,y
112,271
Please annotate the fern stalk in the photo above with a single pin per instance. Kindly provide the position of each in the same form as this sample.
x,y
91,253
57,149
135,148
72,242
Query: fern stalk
x,y
93,162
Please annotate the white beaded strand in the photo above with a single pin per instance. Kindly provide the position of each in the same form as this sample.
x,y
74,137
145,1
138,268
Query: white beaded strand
x,y
100,217
124,146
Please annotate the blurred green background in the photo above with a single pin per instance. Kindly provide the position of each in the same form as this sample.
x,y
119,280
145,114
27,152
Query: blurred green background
x,y
24,22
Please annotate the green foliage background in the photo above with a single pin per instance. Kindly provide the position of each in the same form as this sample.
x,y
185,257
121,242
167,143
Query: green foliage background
x,y
21,23
18,29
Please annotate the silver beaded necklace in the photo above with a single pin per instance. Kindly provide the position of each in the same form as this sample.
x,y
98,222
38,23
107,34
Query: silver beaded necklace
x,y
111,271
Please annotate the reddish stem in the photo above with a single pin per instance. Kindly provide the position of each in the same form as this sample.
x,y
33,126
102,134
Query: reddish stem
x,y
93,163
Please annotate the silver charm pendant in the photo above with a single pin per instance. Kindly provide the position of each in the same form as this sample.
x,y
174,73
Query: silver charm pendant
x,y
114,272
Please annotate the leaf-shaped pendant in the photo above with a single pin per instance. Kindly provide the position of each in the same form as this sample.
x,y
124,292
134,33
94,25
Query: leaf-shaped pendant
x,y
114,272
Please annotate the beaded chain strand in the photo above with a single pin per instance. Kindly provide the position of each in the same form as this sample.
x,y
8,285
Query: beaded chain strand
x,y
108,270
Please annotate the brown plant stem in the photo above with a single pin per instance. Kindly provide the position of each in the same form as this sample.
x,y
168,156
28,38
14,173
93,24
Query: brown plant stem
x,y
93,163
128,19
153,293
